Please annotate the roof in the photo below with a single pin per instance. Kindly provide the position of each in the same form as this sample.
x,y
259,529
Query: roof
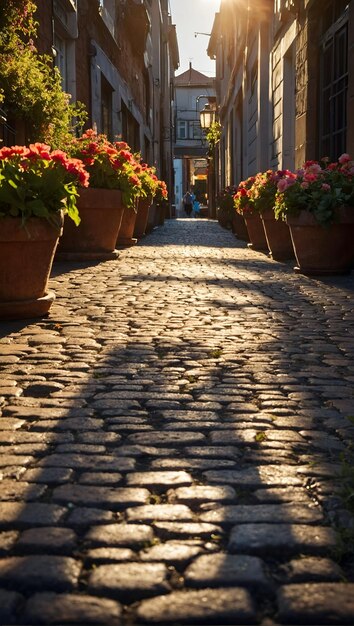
x,y
193,77
211,50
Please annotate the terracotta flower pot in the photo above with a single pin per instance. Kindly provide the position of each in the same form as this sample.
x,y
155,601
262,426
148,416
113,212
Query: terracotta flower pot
x,y
160,215
142,217
323,250
151,222
239,227
278,237
101,212
26,257
256,232
224,216
126,231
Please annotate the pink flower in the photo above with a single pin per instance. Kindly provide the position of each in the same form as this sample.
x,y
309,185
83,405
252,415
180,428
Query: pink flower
x,y
344,158
284,183
315,168
326,187
310,178
305,185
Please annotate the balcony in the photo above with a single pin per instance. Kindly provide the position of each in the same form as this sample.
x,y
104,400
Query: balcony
x,y
137,24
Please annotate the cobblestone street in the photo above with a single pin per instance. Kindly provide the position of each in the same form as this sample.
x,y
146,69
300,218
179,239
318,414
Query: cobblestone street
x,y
171,440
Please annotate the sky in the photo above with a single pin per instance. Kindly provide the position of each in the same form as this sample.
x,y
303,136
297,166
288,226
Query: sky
x,y
191,16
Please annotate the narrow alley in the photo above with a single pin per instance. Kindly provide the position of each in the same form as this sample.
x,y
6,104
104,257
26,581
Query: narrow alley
x,y
173,438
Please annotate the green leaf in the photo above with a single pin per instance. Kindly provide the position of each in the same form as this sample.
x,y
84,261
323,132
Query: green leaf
x,y
12,183
38,208
73,213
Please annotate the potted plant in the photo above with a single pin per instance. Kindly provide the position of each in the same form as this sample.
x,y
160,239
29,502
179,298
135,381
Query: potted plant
x,y
317,203
225,207
114,185
161,201
156,215
244,205
276,231
227,214
146,212
37,187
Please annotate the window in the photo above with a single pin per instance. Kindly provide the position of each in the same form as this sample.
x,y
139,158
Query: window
x,y
130,129
61,60
334,85
195,130
182,129
106,107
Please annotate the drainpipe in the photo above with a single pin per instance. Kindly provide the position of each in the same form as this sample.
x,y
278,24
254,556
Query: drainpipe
x,y
54,52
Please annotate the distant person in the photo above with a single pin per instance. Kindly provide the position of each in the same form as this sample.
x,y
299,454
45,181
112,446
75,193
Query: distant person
x,y
188,203
196,208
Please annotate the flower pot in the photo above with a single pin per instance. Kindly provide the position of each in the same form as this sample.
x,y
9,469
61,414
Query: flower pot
x,y
151,222
26,257
126,231
278,237
142,217
239,227
95,238
323,250
224,216
255,231
160,215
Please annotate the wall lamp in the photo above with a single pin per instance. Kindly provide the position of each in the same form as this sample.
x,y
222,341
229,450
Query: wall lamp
x,y
207,116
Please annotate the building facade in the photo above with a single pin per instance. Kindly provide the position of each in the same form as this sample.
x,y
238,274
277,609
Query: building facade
x,y
284,81
193,91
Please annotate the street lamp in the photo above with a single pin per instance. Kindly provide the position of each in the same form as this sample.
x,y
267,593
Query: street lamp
x,y
207,116
207,119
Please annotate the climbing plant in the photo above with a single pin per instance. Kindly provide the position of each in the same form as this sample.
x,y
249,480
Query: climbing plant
x,y
213,137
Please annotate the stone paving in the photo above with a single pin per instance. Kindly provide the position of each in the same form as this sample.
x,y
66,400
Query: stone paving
x,y
171,441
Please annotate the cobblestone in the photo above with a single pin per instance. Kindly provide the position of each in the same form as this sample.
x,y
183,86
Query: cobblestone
x,y
51,608
325,603
275,513
215,606
287,538
33,514
172,552
53,540
312,569
171,439
129,581
214,570
39,572
9,600
87,495
127,535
